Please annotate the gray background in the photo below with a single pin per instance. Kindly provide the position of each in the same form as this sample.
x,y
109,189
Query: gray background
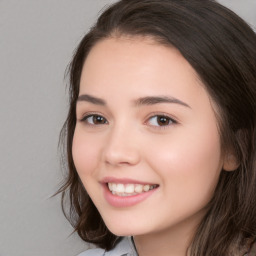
x,y
37,39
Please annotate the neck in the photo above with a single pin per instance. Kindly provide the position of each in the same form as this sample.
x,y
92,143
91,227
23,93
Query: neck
x,y
174,241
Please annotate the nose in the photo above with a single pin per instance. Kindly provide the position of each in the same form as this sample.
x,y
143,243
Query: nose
x,y
122,147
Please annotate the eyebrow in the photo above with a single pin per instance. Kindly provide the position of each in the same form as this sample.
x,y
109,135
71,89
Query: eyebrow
x,y
91,99
152,100
149,100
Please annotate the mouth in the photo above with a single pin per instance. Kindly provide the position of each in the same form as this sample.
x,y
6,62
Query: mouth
x,y
126,190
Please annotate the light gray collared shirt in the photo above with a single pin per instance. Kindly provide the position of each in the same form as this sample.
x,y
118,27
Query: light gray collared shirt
x,y
123,248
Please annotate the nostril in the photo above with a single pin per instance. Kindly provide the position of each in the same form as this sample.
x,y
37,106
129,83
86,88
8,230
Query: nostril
x,y
121,156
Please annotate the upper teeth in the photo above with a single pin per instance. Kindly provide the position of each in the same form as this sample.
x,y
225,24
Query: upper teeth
x,y
117,188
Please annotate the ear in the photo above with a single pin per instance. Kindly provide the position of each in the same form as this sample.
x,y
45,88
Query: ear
x,y
230,163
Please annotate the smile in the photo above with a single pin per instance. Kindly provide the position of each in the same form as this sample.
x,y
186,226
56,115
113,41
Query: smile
x,y
124,190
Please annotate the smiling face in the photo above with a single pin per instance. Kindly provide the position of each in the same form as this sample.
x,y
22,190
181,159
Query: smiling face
x,y
147,130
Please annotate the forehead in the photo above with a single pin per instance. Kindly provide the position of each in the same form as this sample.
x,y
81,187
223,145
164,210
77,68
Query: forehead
x,y
135,59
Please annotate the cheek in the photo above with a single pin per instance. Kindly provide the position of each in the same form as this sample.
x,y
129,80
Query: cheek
x,y
189,165
85,152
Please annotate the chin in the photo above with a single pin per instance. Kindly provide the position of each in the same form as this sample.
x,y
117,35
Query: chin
x,y
119,229
122,230
127,223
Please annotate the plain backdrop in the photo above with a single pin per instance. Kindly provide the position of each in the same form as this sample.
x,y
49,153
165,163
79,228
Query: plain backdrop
x,y
37,39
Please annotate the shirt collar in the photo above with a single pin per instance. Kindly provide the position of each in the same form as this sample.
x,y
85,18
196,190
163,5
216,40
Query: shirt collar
x,y
123,248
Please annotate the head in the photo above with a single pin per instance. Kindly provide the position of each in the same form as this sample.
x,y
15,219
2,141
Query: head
x,y
220,49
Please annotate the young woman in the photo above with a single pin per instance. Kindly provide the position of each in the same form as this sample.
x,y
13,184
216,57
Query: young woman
x,y
160,135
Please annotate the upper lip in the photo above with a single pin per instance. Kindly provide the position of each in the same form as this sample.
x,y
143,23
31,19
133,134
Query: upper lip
x,y
125,181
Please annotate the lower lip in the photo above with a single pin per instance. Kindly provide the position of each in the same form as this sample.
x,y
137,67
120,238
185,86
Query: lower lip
x,y
125,201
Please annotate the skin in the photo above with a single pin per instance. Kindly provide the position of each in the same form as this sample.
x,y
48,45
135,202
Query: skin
x,y
182,156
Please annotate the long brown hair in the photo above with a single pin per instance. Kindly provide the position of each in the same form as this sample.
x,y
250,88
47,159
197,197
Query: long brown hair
x,y
221,47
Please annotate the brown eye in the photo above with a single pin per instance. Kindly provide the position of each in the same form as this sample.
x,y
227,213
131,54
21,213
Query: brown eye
x,y
99,120
95,120
162,120
159,120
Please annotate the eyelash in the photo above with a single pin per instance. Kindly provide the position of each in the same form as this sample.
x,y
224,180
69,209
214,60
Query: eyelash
x,y
166,118
86,118
157,117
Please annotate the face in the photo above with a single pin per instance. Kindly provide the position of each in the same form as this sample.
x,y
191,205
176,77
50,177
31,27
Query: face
x,y
146,144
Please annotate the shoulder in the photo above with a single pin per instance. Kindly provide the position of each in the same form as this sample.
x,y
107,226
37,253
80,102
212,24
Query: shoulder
x,y
123,248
